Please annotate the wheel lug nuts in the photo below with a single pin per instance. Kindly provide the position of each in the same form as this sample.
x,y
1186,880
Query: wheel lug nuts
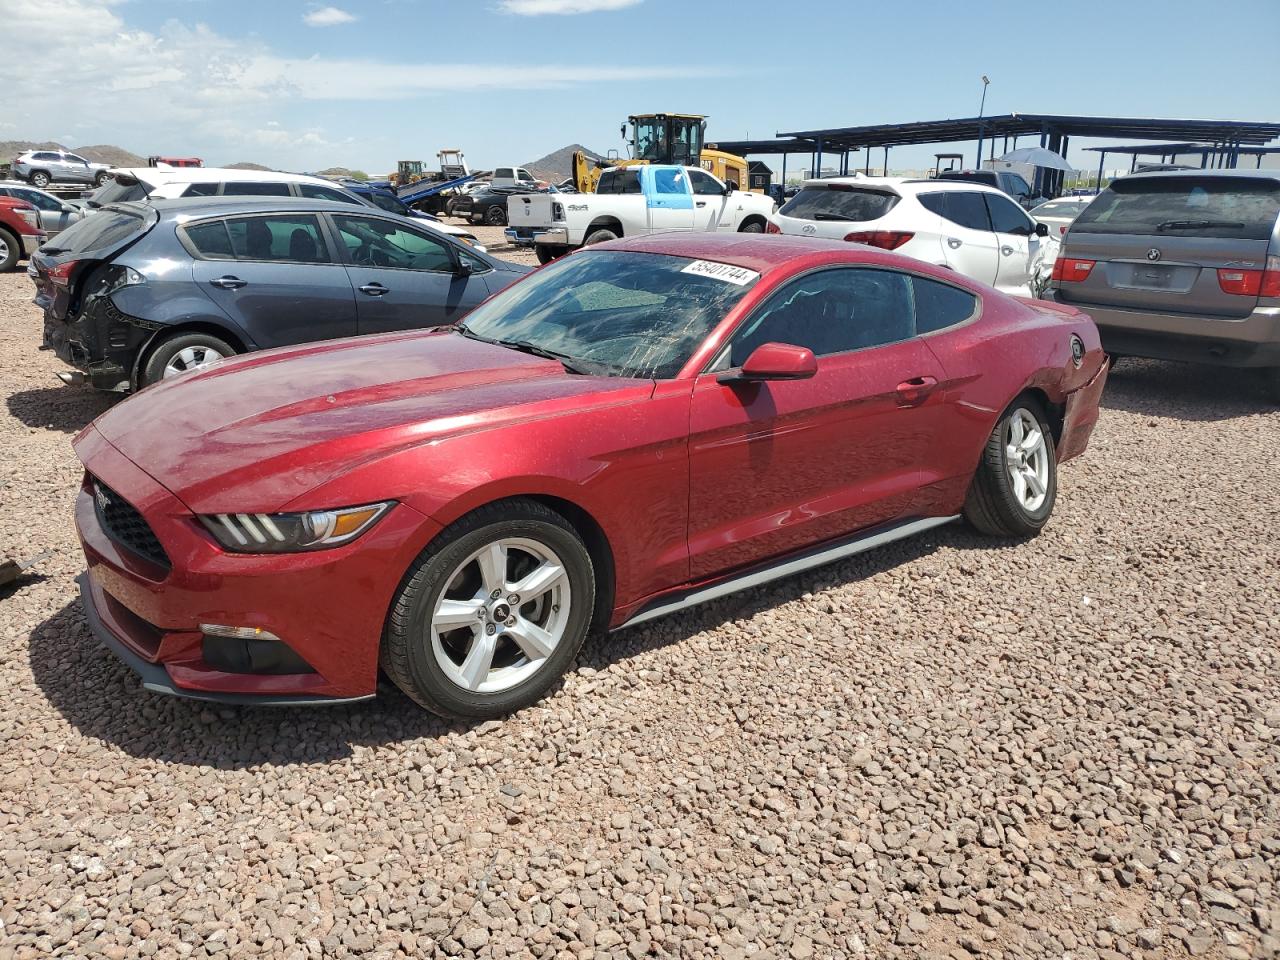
x,y
513,599
495,595
490,629
511,621
480,614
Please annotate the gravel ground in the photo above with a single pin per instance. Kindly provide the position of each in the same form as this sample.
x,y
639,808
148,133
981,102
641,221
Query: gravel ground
x,y
951,747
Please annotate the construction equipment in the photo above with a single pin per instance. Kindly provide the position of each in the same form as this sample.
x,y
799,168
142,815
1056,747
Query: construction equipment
x,y
676,138
452,163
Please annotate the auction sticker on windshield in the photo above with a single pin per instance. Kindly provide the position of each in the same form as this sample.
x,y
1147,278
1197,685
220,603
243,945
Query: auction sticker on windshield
x,y
721,271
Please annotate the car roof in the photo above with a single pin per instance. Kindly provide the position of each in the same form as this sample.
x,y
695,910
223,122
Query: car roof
x,y
1226,174
159,175
765,253
188,207
901,185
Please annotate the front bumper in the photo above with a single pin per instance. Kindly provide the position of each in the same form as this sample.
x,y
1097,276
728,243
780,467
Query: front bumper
x,y
1252,341
327,606
31,242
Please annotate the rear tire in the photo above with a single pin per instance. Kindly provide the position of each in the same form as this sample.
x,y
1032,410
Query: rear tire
x,y
1273,383
1016,483
546,254
476,669
600,235
495,216
755,226
181,353
10,249
39,179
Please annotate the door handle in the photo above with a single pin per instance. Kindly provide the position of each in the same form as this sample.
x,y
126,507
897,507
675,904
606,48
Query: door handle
x,y
954,242
916,390
374,289
702,203
1007,250
228,282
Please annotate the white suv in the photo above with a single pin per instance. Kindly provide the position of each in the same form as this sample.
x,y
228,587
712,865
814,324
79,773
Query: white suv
x,y
966,227
170,183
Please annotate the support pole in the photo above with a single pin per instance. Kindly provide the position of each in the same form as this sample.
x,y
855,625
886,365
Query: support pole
x,y
886,161
1102,158
818,163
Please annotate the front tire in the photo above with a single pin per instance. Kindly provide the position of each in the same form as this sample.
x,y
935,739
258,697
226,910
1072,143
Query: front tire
x,y
492,613
546,254
495,216
10,248
1016,483
182,353
39,179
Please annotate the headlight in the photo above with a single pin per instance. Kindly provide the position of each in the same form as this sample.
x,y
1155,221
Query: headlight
x,y
291,532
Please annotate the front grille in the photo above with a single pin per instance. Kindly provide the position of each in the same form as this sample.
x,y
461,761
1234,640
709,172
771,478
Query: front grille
x,y
125,525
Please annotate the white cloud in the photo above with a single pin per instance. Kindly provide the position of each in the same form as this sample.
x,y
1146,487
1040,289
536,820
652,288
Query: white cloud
x,y
327,17
231,96
537,8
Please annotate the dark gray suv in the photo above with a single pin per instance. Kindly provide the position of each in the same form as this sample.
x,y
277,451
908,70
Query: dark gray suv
x,y
1180,265
138,292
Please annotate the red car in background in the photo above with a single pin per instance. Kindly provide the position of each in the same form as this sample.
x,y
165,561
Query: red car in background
x,y
639,427
20,232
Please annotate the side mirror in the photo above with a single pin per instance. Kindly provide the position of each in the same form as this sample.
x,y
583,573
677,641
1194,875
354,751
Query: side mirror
x,y
728,188
463,268
1042,229
774,361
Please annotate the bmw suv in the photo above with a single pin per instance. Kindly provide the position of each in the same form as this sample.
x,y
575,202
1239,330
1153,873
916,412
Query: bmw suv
x,y
1181,265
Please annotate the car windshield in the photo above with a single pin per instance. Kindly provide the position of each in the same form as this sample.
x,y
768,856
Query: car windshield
x,y
1208,206
387,202
613,312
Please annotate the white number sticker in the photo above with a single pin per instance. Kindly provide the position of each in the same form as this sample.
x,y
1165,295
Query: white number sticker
x,y
721,271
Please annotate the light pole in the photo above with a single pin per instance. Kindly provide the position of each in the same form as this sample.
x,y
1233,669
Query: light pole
x,y
981,108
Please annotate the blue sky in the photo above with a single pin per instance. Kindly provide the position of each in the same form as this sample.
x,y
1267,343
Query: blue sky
x,y
306,85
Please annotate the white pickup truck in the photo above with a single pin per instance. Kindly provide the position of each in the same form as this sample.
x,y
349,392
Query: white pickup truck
x,y
630,201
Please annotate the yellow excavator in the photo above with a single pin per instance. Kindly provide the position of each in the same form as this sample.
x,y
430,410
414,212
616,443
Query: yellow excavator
x,y
663,138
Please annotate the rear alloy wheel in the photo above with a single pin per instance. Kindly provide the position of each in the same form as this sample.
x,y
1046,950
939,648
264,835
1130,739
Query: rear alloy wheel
x,y
492,613
182,354
39,179
1016,484
755,226
495,216
9,248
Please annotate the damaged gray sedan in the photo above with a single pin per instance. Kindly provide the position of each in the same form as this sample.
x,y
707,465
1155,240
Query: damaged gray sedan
x,y
139,292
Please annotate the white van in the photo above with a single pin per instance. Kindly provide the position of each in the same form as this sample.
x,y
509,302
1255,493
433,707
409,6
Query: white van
x,y
512,177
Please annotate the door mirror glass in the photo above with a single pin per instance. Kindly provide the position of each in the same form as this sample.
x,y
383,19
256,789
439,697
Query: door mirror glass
x,y
775,361
728,188
1042,229
464,267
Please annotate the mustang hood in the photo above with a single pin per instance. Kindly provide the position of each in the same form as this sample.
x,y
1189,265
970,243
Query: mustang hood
x,y
256,432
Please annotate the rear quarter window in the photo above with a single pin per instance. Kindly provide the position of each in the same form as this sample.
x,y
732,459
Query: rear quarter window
x,y
1185,206
940,305
838,202
255,189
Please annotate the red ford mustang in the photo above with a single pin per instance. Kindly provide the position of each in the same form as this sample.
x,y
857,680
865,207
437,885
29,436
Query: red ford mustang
x,y
639,427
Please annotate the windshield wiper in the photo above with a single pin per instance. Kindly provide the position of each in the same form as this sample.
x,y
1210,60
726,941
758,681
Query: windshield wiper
x,y
524,346
1198,224
832,216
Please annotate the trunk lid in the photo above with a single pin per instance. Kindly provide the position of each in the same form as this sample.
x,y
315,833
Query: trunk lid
x,y
531,209
58,266
1159,242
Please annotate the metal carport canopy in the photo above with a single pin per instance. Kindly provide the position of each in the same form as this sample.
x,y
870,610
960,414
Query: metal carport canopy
x,y
1018,124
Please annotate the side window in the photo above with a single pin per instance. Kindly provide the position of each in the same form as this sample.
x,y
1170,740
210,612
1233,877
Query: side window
x,y
940,305
374,242
72,158
38,200
314,191
1007,216
201,190
670,181
704,184
629,181
1018,187
292,238
250,188
211,240
967,209
831,311
524,175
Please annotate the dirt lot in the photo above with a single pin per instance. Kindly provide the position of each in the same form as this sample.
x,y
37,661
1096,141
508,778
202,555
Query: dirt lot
x,y
950,747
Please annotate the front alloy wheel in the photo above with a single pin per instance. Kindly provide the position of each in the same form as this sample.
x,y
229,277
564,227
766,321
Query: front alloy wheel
x,y
1016,483
492,612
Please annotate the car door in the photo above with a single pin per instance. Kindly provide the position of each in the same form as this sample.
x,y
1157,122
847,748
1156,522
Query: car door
x,y
275,275
668,198
709,200
53,213
77,168
966,244
1015,232
404,277
777,466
